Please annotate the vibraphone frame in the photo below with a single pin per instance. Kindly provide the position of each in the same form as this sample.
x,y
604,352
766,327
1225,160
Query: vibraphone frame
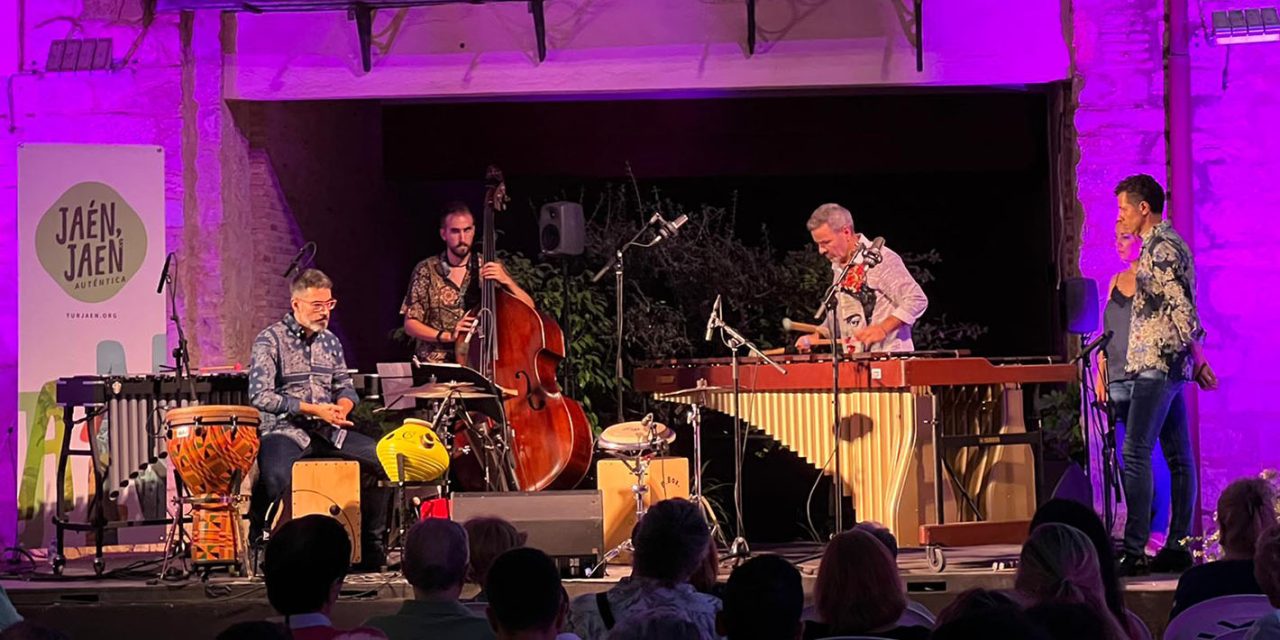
x,y
98,395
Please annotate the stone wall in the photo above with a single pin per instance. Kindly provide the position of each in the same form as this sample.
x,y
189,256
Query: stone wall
x,y
1236,101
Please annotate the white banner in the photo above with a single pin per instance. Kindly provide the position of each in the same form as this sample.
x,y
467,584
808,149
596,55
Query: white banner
x,y
91,245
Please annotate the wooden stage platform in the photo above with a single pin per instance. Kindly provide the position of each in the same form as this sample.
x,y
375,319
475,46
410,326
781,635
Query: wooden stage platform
x,y
129,605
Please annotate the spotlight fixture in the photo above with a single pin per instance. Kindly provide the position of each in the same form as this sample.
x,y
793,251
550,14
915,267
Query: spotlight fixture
x,y
1242,26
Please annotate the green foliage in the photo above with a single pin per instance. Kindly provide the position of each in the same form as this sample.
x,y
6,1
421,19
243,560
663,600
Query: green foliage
x,y
670,287
1059,413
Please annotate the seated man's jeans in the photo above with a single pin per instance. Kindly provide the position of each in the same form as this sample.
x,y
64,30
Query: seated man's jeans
x,y
275,474
1157,412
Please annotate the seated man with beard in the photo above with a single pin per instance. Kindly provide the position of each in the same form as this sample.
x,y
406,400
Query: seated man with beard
x,y
300,384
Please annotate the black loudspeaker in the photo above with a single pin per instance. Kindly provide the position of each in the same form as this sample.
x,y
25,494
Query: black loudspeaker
x,y
562,229
566,525
1080,304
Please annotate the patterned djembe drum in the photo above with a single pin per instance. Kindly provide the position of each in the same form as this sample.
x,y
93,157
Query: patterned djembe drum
x,y
213,448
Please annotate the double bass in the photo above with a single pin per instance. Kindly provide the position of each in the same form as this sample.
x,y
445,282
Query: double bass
x,y
519,348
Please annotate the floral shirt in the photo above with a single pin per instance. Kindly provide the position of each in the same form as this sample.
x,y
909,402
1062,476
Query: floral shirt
x,y
289,369
888,289
434,300
1164,320
633,596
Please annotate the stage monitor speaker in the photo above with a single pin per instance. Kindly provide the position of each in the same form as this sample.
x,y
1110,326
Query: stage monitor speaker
x,y
566,525
665,478
1080,305
332,488
562,231
1074,485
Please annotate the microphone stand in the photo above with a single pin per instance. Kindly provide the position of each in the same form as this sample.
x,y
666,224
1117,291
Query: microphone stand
x,y
829,307
181,354
735,341
616,265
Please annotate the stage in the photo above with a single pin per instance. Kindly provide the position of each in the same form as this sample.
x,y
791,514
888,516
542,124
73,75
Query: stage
x,y
83,606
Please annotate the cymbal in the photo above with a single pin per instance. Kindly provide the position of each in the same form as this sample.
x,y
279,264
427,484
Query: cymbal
x,y
700,391
440,390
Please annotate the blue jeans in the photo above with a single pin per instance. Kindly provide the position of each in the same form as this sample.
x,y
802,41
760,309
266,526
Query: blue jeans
x,y
1120,393
276,456
1157,411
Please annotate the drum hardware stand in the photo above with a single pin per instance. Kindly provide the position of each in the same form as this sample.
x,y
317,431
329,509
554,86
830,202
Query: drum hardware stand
x,y
830,310
695,495
735,341
639,467
665,230
177,543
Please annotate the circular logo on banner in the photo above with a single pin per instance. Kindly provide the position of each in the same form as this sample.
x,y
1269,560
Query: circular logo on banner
x,y
91,242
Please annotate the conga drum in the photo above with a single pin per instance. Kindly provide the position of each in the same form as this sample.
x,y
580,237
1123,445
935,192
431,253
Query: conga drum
x,y
213,447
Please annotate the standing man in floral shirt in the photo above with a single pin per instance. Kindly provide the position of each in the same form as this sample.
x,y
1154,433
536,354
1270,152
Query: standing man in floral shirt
x,y
1164,353
300,384
875,306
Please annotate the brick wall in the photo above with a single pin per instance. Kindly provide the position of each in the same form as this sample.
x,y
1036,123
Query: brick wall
x,y
316,174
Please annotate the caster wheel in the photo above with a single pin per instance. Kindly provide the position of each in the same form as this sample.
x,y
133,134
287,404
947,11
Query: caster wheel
x,y
937,559
98,566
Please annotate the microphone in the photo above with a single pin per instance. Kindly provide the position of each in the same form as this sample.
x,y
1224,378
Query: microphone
x,y
1099,342
297,258
164,273
668,230
872,254
711,320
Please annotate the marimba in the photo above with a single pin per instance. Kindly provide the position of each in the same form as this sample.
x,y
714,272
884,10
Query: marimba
x,y
897,411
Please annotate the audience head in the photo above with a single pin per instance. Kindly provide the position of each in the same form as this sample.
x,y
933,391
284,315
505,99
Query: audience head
x,y
1266,564
1245,509
666,622
763,600
305,563
858,587
1005,623
881,533
255,630
1086,520
28,630
1058,562
488,538
670,541
435,557
1073,621
975,601
525,594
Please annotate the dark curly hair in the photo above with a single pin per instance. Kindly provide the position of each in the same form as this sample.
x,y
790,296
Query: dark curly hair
x,y
1143,188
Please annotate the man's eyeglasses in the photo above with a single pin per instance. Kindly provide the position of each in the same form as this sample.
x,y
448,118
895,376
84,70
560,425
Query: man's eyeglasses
x,y
320,305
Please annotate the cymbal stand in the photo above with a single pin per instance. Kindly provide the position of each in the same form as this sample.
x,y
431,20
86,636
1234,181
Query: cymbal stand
x,y
699,398
735,341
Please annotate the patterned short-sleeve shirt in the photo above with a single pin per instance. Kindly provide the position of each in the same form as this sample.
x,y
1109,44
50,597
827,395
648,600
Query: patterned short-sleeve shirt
x,y
434,300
